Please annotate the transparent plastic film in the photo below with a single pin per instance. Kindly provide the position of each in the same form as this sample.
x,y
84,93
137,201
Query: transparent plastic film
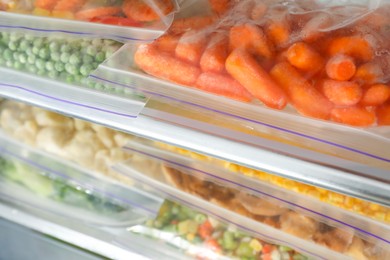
x,y
123,20
298,215
38,181
255,228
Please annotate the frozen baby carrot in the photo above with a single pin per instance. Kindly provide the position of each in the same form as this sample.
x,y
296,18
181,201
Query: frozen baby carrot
x,y
98,11
45,4
304,57
278,32
220,6
243,67
258,11
69,5
343,93
354,46
214,57
340,67
190,46
223,85
304,97
383,114
167,42
369,73
311,31
252,38
139,10
355,115
191,23
375,95
163,65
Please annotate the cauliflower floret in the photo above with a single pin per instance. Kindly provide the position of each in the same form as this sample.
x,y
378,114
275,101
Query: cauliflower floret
x,y
53,139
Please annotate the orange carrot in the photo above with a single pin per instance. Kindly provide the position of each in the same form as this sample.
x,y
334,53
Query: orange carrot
x,y
252,38
223,85
45,4
191,45
214,57
96,12
167,42
69,5
306,99
354,46
259,11
220,6
140,11
356,116
163,65
191,23
375,95
340,67
278,32
304,57
311,31
383,114
343,93
243,67
369,73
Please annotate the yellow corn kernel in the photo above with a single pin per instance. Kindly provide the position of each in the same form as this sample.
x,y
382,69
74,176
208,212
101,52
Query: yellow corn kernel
x,y
380,216
256,245
190,237
374,207
63,14
388,217
41,12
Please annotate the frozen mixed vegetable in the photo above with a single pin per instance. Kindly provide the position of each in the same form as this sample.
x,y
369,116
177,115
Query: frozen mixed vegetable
x,y
134,13
330,62
207,233
49,186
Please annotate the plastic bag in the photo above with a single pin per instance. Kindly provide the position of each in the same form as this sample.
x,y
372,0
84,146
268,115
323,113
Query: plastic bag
x,y
327,61
120,19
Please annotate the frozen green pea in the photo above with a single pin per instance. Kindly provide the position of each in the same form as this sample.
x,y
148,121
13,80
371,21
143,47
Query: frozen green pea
x,y
65,48
31,68
49,65
65,57
71,68
2,60
9,63
44,53
78,78
87,59
55,56
74,59
59,66
29,37
41,72
91,50
31,59
97,42
29,51
53,74
54,46
13,45
75,45
100,57
18,65
2,48
99,86
85,69
244,250
23,58
7,54
35,50
40,64
84,81
15,55
38,42
69,79
24,45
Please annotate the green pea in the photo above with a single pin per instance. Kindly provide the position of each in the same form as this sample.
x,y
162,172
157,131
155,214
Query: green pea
x,y
29,37
87,59
41,73
23,58
59,66
15,36
2,60
15,55
100,57
35,50
244,250
29,51
55,56
78,78
8,55
69,79
49,65
31,68
13,45
74,59
200,218
109,42
53,74
31,59
71,68
75,45
54,46
40,64
99,86
18,65
44,53
91,50
38,42
85,69
64,57
65,48
9,63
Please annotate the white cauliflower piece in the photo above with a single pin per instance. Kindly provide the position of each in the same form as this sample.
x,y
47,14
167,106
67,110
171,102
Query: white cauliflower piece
x,y
47,118
53,139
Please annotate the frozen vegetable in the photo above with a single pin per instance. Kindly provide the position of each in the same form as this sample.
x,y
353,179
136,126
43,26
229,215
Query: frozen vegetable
x,y
325,60
54,188
114,12
90,145
207,233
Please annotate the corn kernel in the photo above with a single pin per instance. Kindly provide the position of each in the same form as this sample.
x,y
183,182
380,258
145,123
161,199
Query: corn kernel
x,y
190,237
380,216
41,12
374,207
256,245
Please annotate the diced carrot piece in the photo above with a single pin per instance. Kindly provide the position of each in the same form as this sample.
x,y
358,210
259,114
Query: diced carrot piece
x,y
383,114
243,67
278,32
220,6
311,31
167,42
306,99
340,67
343,93
165,66
190,47
69,5
375,95
356,116
304,57
140,11
191,23
45,4
252,38
354,46
259,11
369,73
214,57
96,12
223,85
